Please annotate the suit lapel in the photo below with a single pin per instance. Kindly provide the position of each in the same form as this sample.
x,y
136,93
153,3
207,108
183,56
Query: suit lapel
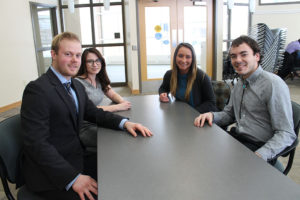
x,y
63,95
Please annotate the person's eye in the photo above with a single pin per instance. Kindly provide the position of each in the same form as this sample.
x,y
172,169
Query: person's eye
x,y
68,54
232,56
180,55
188,57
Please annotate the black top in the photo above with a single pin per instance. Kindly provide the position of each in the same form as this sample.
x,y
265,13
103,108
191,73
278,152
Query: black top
x,y
202,92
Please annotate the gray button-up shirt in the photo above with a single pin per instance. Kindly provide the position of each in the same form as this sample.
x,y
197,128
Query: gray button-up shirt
x,y
261,107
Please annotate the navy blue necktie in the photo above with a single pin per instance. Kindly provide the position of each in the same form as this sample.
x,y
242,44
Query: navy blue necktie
x,y
68,87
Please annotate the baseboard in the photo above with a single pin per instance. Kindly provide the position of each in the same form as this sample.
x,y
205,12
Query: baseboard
x,y
135,92
10,106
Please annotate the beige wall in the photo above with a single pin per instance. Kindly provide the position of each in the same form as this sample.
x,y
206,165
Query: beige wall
x,y
17,53
280,16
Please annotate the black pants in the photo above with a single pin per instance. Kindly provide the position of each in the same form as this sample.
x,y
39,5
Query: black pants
x,y
90,168
250,144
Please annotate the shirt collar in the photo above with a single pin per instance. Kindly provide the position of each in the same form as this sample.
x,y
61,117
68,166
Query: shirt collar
x,y
253,77
61,78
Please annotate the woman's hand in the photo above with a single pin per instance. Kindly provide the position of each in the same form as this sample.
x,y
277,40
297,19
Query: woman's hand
x,y
124,105
163,97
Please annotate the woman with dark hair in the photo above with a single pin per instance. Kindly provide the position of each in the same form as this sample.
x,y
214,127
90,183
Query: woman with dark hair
x,y
186,82
92,74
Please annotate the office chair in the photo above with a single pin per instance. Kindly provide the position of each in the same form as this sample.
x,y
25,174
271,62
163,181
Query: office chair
x,y
222,93
291,65
296,64
10,148
290,151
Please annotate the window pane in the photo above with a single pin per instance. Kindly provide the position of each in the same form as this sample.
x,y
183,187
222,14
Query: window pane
x,y
45,28
101,1
278,1
239,24
79,23
195,32
44,61
241,1
224,48
108,25
115,64
225,23
76,2
157,41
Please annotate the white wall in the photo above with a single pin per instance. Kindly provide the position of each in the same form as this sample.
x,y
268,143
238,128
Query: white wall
x,y
219,40
280,16
17,53
131,39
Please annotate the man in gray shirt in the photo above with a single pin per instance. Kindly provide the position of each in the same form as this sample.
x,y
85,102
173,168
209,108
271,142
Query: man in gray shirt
x,y
260,104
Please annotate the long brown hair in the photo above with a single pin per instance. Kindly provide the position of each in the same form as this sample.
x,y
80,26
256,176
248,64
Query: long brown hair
x,y
101,76
191,73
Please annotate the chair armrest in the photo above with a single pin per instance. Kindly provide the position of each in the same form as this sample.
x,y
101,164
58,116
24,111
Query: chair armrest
x,y
287,150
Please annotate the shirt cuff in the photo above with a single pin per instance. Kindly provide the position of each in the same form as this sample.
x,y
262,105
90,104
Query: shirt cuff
x,y
121,125
265,155
72,182
215,116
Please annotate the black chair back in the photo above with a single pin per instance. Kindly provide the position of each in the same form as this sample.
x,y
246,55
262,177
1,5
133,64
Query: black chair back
x,y
290,151
10,148
222,93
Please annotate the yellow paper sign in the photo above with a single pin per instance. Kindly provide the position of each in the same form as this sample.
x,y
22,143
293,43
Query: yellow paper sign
x,y
157,28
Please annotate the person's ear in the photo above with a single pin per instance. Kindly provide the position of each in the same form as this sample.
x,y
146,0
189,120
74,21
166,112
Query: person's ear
x,y
257,56
53,54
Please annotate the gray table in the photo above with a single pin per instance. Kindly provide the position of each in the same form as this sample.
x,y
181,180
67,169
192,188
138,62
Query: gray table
x,y
182,162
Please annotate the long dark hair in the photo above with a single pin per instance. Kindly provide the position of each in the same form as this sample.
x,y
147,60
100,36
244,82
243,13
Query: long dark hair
x,y
101,76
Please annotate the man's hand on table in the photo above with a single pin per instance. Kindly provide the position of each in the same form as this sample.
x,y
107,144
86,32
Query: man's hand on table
x,y
133,127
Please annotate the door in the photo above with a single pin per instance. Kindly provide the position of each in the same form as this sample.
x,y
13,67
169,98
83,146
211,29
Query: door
x,y
163,25
44,28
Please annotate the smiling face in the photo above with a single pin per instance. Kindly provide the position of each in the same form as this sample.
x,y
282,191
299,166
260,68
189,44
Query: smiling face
x,y
184,60
93,64
243,60
67,59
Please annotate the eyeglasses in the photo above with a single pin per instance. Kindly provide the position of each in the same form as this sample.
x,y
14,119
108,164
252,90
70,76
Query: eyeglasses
x,y
91,62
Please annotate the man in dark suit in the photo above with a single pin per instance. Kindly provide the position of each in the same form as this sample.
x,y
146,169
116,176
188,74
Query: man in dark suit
x,y
55,164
